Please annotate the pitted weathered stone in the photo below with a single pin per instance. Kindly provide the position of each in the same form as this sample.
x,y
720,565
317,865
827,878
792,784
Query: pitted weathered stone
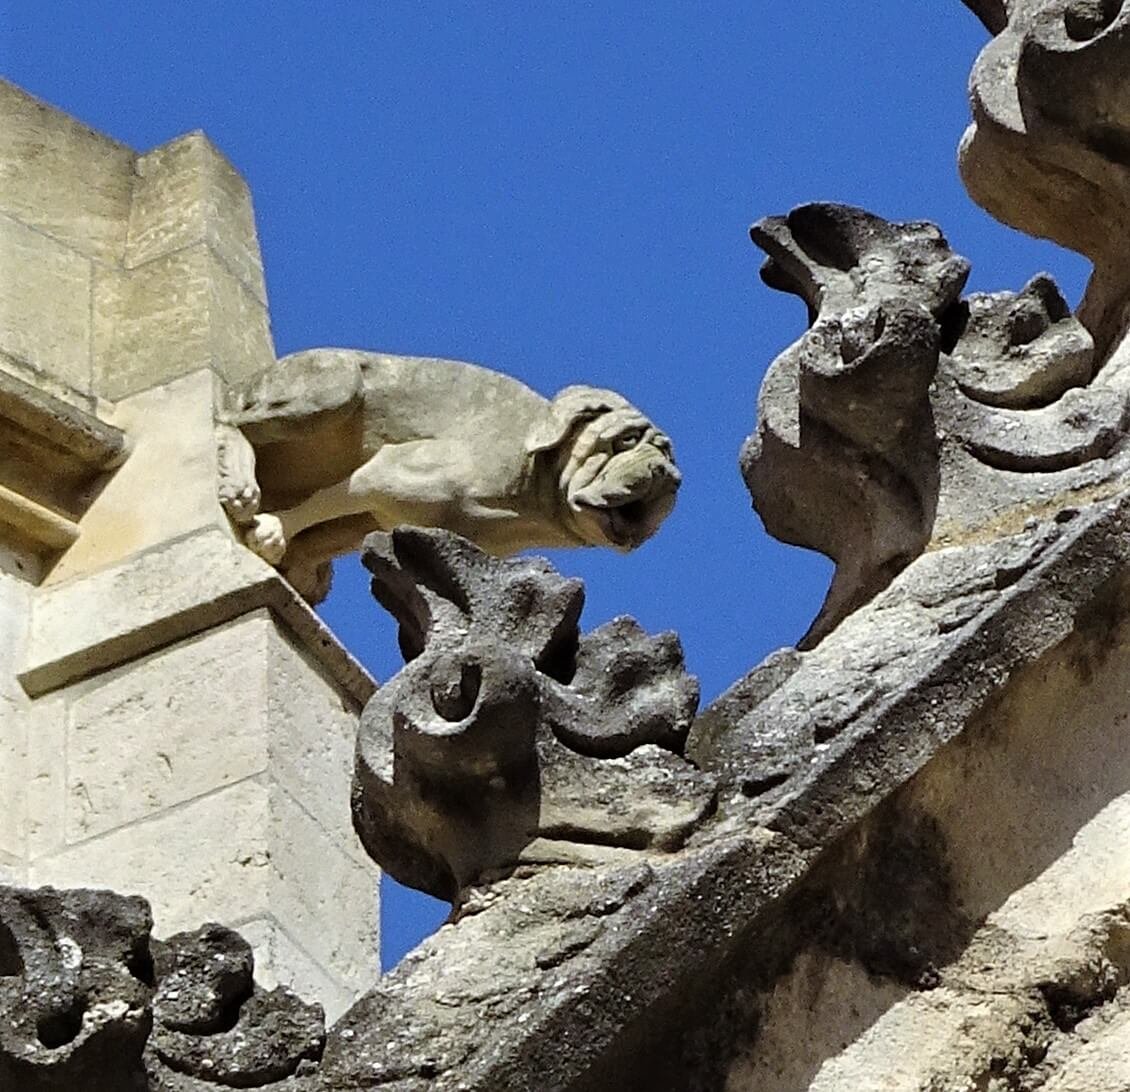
x,y
74,990
508,737
1047,152
629,688
215,1025
89,1002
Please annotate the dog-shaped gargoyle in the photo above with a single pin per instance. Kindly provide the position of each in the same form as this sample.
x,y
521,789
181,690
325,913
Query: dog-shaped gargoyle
x,y
331,444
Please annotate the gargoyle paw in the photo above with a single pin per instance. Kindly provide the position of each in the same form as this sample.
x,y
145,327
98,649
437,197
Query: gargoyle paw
x,y
240,503
267,538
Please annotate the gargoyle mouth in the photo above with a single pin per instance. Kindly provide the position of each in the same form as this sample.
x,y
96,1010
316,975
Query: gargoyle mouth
x,y
628,522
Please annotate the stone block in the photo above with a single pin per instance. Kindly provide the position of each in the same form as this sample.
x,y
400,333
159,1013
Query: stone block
x,y
15,607
187,193
85,401
45,294
162,595
63,179
1090,876
157,596
163,730
207,860
325,893
142,505
46,776
174,315
313,736
152,777
13,870
13,780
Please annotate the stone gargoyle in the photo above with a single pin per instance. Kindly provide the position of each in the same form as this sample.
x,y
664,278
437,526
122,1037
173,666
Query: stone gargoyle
x,y
509,738
329,445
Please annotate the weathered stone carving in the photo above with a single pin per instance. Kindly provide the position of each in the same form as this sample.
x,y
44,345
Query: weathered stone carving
x,y
1049,148
332,444
508,737
75,987
88,1001
907,416
213,1023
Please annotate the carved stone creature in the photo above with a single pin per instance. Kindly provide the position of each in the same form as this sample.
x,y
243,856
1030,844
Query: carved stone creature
x,y
509,738
908,417
331,444
1049,148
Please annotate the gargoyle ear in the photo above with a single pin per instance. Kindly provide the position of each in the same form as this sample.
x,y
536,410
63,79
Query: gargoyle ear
x,y
570,407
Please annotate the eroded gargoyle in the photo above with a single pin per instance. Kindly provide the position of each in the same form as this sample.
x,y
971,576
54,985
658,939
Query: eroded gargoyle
x,y
509,738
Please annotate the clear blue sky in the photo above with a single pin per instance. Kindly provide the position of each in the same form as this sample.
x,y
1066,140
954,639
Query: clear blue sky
x,y
562,191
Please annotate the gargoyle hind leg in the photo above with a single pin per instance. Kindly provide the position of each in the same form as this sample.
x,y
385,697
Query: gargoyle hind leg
x,y
238,490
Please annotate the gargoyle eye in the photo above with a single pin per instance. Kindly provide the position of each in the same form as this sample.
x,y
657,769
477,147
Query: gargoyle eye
x,y
627,440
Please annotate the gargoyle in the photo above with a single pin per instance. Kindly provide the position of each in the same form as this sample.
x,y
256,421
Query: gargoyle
x,y
330,444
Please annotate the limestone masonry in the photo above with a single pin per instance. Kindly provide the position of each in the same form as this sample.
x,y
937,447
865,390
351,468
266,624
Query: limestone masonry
x,y
174,721
892,858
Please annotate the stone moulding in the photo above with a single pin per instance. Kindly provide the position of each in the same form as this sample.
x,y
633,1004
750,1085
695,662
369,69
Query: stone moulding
x,y
161,609
55,453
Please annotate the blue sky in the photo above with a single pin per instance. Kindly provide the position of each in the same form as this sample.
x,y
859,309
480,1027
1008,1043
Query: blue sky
x,y
562,191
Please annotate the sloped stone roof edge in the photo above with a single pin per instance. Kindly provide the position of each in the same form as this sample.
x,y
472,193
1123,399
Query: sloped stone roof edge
x,y
736,874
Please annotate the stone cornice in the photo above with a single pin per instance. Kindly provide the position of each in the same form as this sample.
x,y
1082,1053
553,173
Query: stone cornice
x,y
53,454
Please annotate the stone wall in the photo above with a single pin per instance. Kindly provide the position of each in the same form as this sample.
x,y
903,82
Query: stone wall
x,y
975,931
176,721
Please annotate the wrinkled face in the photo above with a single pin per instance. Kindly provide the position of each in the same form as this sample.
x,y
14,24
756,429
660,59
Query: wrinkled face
x,y
620,481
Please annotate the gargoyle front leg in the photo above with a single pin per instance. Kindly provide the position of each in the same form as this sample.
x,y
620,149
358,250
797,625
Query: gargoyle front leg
x,y
238,489
271,532
399,484
420,482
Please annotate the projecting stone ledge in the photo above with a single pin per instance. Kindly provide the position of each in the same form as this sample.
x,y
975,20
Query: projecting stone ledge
x,y
54,455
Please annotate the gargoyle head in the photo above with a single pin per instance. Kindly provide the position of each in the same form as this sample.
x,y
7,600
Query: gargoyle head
x,y
617,473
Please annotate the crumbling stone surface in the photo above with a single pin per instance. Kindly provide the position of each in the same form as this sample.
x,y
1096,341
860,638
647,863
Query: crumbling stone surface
x,y
430,1019
215,1025
75,985
508,737
88,1003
